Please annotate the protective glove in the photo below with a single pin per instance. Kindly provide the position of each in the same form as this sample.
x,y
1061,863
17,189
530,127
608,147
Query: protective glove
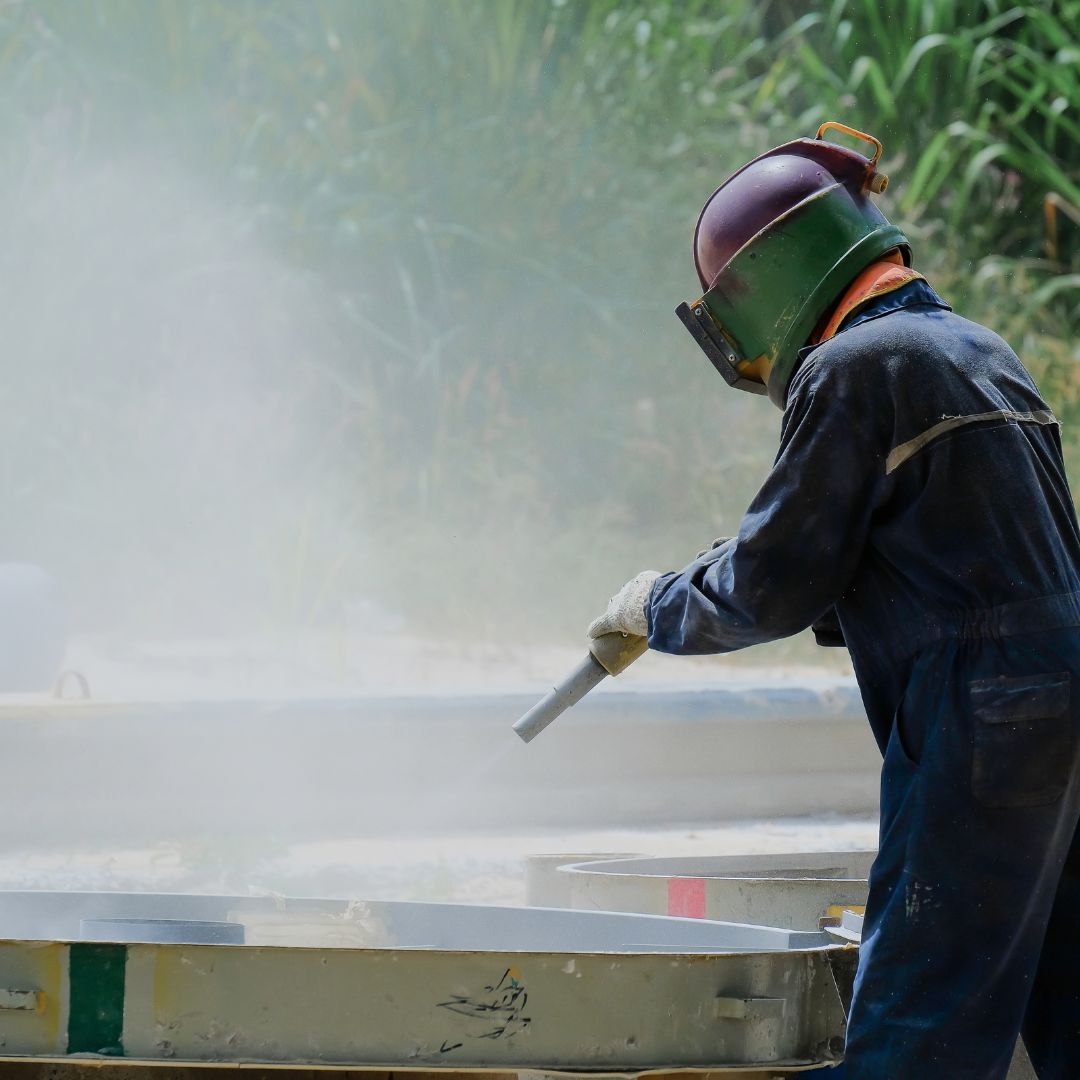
x,y
626,609
713,546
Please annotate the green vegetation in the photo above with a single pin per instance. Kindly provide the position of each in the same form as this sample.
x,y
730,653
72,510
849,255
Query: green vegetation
x,y
486,207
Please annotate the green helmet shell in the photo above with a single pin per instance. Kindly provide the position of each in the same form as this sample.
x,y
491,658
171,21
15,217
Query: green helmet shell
x,y
776,246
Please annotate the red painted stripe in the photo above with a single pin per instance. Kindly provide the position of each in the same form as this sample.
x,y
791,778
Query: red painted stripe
x,y
686,897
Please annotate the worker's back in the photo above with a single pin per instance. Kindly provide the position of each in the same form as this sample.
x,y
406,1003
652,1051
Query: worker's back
x,y
973,511
917,511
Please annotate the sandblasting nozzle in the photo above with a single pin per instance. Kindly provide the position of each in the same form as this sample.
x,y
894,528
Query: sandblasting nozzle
x,y
610,655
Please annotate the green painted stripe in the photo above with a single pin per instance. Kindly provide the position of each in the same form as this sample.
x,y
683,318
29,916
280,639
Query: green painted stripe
x,y
96,999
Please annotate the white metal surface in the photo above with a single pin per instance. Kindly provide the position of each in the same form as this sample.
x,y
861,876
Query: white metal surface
x,y
418,986
795,890
64,916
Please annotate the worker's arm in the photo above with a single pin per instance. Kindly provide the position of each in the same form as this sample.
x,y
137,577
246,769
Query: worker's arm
x,y
801,540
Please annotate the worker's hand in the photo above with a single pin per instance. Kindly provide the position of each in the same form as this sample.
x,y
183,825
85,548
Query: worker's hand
x,y
626,609
713,546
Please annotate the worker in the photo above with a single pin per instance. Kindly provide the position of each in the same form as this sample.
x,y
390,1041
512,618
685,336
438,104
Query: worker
x,y
917,511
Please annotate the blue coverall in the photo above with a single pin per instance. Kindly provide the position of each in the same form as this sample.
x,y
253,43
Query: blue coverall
x,y
919,497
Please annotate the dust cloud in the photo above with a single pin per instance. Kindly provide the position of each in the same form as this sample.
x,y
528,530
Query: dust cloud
x,y
341,386
318,377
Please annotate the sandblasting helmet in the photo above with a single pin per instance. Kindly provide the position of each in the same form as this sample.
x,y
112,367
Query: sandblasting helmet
x,y
775,247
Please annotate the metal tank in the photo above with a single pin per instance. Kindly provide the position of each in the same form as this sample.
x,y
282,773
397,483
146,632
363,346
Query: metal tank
x,y
546,884
406,986
796,891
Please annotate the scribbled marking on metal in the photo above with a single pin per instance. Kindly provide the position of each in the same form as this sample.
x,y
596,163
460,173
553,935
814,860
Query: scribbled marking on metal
x,y
96,998
410,1008
499,1009
461,988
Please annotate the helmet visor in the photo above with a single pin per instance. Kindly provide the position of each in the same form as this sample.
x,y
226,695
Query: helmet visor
x,y
716,345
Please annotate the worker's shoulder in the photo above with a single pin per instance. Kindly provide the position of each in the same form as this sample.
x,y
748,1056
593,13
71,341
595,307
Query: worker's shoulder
x,y
869,359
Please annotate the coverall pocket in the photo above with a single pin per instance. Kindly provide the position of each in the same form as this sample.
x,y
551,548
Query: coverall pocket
x,y
1022,741
908,748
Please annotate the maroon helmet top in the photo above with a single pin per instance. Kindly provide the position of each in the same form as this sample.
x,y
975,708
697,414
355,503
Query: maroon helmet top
x,y
762,191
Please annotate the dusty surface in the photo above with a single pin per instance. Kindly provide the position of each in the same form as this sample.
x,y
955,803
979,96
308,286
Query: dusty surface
x,y
471,868
322,664
454,864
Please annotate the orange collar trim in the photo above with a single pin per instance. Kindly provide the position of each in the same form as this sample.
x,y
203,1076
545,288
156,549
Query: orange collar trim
x,y
883,276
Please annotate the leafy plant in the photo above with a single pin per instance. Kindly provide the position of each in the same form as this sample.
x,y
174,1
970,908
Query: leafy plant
x,y
478,219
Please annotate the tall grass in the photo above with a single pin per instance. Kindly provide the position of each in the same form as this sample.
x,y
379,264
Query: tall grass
x,y
493,204
982,100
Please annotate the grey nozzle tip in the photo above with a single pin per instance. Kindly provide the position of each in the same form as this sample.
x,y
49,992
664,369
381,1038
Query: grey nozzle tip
x,y
556,701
